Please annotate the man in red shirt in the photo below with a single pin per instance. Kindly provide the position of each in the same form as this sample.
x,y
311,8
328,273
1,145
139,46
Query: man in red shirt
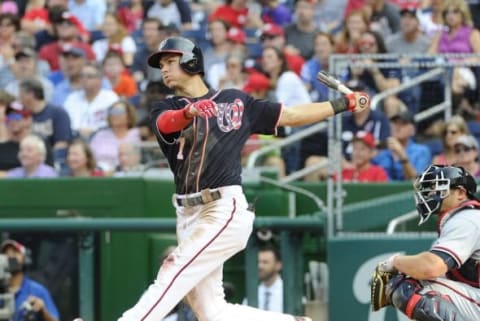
x,y
363,170
68,36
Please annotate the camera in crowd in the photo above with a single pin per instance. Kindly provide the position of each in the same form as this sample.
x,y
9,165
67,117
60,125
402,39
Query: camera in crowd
x,y
9,266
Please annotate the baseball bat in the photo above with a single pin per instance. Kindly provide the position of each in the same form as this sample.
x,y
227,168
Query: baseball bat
x,y
332,82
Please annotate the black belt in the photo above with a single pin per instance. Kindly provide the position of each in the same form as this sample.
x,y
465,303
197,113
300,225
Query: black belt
x,y
202,198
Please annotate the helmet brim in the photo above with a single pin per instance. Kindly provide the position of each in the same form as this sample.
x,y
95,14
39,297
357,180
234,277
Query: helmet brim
x,y
154,59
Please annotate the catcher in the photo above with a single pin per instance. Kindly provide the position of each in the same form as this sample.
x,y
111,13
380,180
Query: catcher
x,y
441,284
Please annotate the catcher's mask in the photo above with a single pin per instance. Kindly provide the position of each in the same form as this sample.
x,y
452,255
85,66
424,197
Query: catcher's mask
x,y
434,185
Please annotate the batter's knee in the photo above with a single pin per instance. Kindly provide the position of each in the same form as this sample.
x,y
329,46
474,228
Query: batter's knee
x,y
430,306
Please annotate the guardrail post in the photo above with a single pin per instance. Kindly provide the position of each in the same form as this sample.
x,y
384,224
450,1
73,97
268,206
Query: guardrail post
x,y
86,253
251,271
292,272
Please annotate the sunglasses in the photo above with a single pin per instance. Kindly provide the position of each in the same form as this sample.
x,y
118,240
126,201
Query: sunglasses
x,y
14,116
462,149
267,37
90,76
120,110
445,12
451,132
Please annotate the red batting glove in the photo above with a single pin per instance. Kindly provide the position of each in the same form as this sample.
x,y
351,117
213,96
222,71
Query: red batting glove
x,y
358,101
204,108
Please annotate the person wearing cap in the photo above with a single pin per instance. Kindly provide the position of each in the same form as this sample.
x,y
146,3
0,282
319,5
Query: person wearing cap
x,y
19,126
273,35
67,35
467,152
25,67
362,170
403,158
25,289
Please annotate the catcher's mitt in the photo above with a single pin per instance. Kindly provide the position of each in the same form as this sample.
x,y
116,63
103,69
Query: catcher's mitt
x,y
378,296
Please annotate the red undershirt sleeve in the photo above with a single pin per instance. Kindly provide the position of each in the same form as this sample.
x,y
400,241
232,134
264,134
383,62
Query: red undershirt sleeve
x,y
172,121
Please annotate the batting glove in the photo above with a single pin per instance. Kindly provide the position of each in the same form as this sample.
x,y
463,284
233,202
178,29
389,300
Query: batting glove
x,y
387,265
358,101
204,108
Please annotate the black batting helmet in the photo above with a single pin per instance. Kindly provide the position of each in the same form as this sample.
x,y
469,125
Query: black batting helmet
x,y
191,59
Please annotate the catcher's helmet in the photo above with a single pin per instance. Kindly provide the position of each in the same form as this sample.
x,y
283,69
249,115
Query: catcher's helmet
x,y
191,59
434,185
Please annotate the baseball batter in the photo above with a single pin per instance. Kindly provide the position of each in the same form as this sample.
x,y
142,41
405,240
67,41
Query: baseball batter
x,y
442,283
202,132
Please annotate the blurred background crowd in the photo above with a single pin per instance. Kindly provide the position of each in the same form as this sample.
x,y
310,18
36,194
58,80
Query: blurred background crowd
x,y
76,89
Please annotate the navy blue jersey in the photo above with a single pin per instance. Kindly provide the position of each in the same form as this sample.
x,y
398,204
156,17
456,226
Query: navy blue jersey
x,y
207,153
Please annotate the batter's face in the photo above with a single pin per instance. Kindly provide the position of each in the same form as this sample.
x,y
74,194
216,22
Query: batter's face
x,y
268,266
172,73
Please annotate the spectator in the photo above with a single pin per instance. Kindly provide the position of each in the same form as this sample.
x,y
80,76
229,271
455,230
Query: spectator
x,y
105,142
25,67
19,126
273,35
234,76
270,289
323,48
80,160
5,100
27,291
362,169
219,47
357,22
32,155
67,35
88,107
274,63
385,17
236,14
9,25
430,17
273,11
90,13
466,151
131,15
177,12
119,76
452,129
373,79
51,123
300,35
153,34
459,37
117,38
328,15
129,160
403,159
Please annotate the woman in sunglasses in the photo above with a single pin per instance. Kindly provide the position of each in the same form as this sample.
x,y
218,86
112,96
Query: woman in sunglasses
x,y
452,130
466,150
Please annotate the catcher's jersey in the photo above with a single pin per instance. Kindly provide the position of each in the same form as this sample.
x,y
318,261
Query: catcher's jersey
x,y
207,153
459,237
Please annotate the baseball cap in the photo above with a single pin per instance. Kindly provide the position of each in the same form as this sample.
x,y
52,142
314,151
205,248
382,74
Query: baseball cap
x,y
17,108
236,35
256,81
272,30
364,137
405,116
25,52
69,49
410,9
467,141
16,245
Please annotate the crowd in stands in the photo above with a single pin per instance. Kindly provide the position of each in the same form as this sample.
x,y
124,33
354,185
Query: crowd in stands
x,y
76,88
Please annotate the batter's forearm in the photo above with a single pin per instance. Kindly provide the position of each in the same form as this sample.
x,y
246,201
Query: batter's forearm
x,y
306,114
172,121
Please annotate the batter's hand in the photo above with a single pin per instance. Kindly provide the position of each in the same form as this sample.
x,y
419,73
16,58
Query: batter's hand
x,y
358,101
204,108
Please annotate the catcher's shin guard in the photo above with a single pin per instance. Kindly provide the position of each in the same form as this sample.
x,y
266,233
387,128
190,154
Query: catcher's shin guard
x,y
431,306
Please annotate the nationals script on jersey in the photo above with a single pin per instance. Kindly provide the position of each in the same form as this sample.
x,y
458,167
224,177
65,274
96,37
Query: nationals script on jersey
x,y
207,153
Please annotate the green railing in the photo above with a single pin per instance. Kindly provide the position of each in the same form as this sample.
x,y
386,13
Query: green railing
x,y
291,232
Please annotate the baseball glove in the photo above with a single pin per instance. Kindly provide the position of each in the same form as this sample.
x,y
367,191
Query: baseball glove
x,y
379,298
